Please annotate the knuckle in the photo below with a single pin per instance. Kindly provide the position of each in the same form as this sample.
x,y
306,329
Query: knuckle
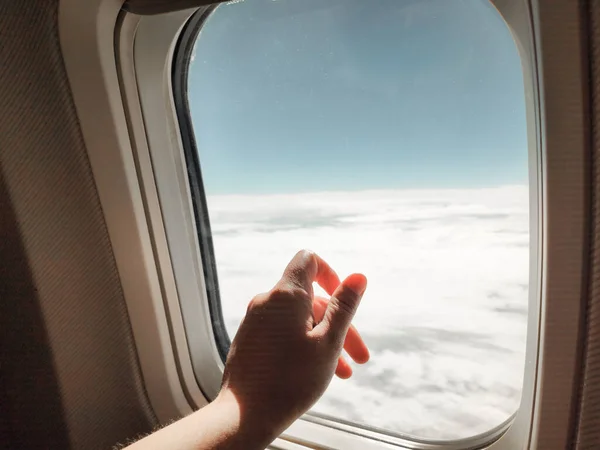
x,y
279,293
300,294
347,301
289,293
305,253
307,260
312,260
256,302
344,306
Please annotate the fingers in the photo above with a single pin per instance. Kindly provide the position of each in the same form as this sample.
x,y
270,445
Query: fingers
x,y
307,267
343,369
341,308
353,344
356,347
319,307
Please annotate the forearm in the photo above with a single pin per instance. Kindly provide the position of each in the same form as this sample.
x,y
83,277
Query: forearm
x,y
217,426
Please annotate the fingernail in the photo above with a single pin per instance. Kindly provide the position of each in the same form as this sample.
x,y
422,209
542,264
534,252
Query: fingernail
x,y
357,282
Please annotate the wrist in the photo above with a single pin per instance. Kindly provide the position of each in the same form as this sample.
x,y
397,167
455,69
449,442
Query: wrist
x,y
248,428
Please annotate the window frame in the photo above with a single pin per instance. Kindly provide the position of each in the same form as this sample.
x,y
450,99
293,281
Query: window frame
x,y
134,144
179,76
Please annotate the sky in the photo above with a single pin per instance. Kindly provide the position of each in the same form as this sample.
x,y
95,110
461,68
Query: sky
x,y
309,95
389,136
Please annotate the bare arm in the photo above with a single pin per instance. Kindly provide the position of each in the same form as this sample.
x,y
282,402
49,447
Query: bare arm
x,y
282,359
217,426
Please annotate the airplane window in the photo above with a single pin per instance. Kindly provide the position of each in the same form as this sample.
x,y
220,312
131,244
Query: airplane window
x,y
389,136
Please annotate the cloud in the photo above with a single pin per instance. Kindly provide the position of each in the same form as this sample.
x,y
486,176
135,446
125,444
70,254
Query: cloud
x,y
446,308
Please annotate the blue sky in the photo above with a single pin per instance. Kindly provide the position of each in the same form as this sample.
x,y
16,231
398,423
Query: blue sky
x,y
311,95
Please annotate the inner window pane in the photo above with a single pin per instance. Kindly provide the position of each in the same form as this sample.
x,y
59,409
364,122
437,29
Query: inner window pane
x,y
389,136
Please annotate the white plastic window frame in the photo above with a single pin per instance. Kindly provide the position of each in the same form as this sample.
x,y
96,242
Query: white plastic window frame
x,y
119,69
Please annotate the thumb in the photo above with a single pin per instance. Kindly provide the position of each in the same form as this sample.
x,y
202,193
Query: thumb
x,y
341,308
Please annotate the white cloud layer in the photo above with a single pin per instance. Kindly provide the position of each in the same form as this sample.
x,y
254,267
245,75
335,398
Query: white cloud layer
x,y
445,311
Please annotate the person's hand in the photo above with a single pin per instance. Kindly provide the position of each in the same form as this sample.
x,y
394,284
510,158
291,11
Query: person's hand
x,y
280,362
354,344
288,347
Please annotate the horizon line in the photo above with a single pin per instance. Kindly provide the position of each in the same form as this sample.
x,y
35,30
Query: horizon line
x,y
369,190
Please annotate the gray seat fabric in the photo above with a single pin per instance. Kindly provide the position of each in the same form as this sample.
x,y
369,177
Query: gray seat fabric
x,y
69,377
588,427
